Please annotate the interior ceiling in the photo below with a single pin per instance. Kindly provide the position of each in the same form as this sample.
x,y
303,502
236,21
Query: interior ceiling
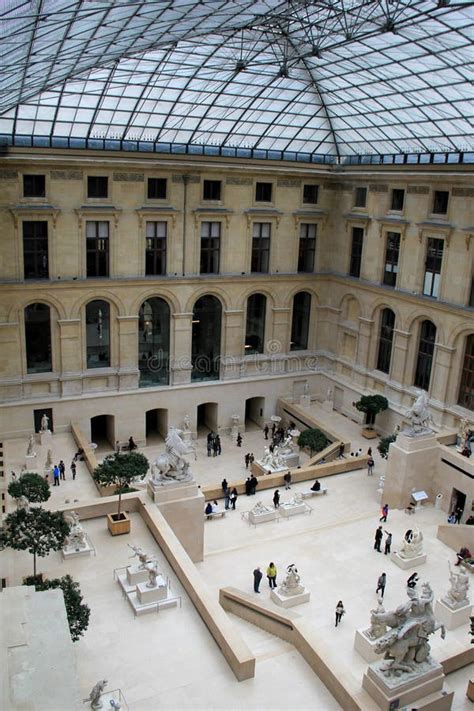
x,y
333,77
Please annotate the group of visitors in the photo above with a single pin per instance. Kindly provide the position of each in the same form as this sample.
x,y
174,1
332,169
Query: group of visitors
x,y
249,459
378,539
251,485
230,495
214,446
456,515
271,577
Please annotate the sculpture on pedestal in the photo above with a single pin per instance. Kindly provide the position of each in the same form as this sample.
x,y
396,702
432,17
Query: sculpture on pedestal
x,y
412,545
419,416
457,594
171,465
296,500
377,627
406,643
142,556
22,502
96,693
260,508
186,423
76,537
152,569
291,585
49,460
273,460
44,423
30,452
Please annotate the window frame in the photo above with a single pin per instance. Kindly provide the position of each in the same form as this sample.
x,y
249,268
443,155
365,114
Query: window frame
x,y
209,182
397,210
262,251
352,256
384,343
272,191
435,283
86,359
310,185
355,195
29,373
158,253
440,215
35,198
98,198
420,369
211,250
98,237
466,375
36,277
301,239
391,263
155,200
248,349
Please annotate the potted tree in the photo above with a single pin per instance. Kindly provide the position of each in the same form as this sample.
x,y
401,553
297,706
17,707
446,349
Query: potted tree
x,y
120,470
313,439
371,405
34,530
32,486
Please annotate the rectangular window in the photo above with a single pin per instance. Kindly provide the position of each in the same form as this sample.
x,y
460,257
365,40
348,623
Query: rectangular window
x,y
97,186
310,194
156,188
263,192
261,247
398,200
155,252
97,249
356,251
440,202
35,250
434,259
360,197
34,186
307,247
210,247
391,259
211,190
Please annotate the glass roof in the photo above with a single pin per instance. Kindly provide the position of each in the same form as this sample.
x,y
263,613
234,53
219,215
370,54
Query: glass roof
x,y
332,77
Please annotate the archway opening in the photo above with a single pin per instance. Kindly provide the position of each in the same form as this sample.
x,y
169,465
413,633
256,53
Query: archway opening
x,y
206,417
156,425
206,339
254,409
103,432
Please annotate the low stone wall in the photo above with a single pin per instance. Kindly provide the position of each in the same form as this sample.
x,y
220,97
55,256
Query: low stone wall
x,y
307,473
90,459
304,417
456,536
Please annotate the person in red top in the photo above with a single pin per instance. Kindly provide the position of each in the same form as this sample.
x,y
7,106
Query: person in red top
x,y
384,513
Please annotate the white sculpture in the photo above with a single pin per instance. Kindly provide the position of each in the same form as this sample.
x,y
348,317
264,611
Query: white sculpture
x,y
171,465
457,594
260,508
76,537
406,643
96,693
412,545
142,556
291,585
22,502
152,569
286,447
44,423
296,500
377,627
273,460
419,416
30,452
49,460
186,423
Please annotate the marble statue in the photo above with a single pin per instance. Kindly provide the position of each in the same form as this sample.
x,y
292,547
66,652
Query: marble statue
x,y
187,423
152,569
291,585
273,460
419,416
261,508
306,389
96,693
377,627
466,434
142,557
76,537
406,644
30,452
49,460
287,446
457,594
171,465
22,502
412,545
44,423
296,500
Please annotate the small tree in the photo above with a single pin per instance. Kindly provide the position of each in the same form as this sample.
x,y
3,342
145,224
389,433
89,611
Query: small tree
x,y
384,444
34,530
371,405
313,439
120,470
78,612
32,486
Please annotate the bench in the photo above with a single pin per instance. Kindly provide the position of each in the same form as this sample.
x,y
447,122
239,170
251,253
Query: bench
x,y
308,494
215,514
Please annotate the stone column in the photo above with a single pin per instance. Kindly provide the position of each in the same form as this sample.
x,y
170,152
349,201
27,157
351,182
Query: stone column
x,y
181,342
128,352
364,341
71,355
327,328
401,341
440,372
278,345
232,343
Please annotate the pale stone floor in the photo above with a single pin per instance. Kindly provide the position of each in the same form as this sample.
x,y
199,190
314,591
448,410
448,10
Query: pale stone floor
x,y
169,660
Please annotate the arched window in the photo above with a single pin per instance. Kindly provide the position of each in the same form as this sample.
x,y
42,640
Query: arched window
x,y
153,342
38,339
466,389
300,321
255,327
387,322
206,345
98,334
425,355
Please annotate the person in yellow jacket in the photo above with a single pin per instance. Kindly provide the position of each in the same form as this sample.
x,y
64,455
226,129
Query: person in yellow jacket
x,y
272,575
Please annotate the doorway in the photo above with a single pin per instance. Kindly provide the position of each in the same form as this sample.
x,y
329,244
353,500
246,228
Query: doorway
x,y
254,409
458,501
103,431
156,425
207,417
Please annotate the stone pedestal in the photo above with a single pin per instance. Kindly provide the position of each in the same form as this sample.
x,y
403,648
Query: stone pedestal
x,y
261,518
73,551
291,460
136,574
290,600
146,595
408,563
45,438
234,432
452,617
421,691
31,462
365,646
410,466
182,504
305,401
287,510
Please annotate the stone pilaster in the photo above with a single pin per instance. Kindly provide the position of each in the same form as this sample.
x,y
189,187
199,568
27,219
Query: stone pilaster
x,y
442,363
181,333
401,341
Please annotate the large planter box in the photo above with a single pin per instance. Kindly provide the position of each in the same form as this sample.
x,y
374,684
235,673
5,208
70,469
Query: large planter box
x,y
118,528
369,433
